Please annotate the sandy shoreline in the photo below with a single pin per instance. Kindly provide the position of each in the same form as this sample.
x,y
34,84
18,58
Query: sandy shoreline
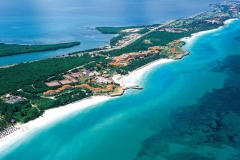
x,y
135,76
54,115
195,36
50,117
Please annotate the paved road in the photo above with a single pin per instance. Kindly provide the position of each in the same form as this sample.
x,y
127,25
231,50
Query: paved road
x,y
129,42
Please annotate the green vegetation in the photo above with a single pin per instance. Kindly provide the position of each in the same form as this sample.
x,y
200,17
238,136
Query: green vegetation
x,y
162,38
16,77
27,80
45,103
117,30
114,40
156,38
13,49
83,80
73,96
30,77
22,112
90,65
38,87
137,64
145,30
88,50
194,26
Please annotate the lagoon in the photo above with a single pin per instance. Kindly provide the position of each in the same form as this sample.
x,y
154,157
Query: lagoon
x,y
170,116
178,115
48,22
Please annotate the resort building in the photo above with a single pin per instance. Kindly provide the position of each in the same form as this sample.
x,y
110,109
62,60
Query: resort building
x,y
156,48
103,80
172,51
65,81
53,83
12,99
88,73
87,86
76,75
126,58
54,92
110,88
70,78
49,93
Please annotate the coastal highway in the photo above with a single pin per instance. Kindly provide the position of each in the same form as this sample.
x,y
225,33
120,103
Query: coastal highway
x,y
126,44
110,49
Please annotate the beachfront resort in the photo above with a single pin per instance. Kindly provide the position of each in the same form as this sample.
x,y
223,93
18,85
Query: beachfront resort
x,y
67,79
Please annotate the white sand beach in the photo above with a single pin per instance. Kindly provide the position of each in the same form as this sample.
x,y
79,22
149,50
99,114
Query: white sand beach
x,y
136,76
195,36
49,118
54,115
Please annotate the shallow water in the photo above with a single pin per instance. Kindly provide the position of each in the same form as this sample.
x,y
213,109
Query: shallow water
x,y
189,109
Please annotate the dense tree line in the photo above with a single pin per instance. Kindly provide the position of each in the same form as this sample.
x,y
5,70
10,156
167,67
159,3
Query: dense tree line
x,y
117,30
22,111
90,66
156,38
16,77
145,30
162,38
38,87
24,94
13,49
45,103
75,95
35,106
200,25
114,40
30,77
136,64
141,62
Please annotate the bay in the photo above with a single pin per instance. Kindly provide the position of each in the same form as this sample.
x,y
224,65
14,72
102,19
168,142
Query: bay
x,y
154,123
48,22
178,115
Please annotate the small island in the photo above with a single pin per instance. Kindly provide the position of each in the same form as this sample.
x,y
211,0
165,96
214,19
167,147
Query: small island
x,y
29,89
14,49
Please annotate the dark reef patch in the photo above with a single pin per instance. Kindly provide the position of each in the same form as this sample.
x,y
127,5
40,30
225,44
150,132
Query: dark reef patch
x,y
212,122
237,38
230,63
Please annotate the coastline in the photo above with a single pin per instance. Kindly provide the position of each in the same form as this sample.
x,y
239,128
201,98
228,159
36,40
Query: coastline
x,y
195,36
136,75
52,116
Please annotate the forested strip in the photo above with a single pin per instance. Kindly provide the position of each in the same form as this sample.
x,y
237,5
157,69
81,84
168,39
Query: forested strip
x,y
117,30
13,49
16,77
156,38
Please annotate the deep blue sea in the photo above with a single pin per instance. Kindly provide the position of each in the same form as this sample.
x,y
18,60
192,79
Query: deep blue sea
x,y
188,109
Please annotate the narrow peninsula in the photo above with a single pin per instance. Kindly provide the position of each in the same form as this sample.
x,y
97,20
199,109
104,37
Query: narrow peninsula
x,y
14,49
29,89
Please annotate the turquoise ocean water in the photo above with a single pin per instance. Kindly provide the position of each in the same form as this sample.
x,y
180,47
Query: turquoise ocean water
x,y
189,109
